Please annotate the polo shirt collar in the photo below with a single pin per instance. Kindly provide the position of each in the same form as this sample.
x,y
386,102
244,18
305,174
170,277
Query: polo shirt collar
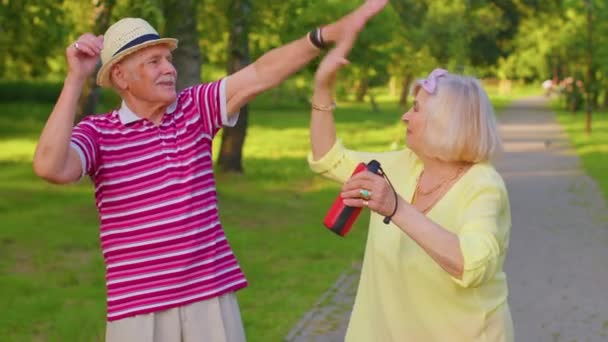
x,y
127,116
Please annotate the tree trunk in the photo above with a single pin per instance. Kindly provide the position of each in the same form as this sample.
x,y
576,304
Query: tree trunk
x,y
590,67
91,92
362,89
555,77
233,138
405,91
187,57
374,104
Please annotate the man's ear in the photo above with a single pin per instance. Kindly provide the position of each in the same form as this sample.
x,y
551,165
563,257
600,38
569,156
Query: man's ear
x,y
119,76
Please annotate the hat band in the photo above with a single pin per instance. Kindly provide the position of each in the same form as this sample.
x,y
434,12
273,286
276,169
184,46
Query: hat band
x,y
137,41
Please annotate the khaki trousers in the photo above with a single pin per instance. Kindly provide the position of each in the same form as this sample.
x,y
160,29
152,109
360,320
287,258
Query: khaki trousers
x,y
213,320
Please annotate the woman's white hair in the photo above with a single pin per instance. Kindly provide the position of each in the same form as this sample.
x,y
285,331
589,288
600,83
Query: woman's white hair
x,y
460,123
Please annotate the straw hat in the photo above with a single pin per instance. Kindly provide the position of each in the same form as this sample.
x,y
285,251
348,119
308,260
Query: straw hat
x,y
125,37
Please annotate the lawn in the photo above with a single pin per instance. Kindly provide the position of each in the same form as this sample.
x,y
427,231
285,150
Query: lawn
x,y
592,148
51,271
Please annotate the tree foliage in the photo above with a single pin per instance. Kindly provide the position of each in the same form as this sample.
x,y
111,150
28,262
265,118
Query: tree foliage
x,y
529,40
29,34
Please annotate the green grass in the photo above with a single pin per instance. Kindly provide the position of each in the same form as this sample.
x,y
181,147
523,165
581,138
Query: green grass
x,y
593,147
51,271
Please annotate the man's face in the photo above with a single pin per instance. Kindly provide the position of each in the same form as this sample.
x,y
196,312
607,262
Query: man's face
x,y
150,75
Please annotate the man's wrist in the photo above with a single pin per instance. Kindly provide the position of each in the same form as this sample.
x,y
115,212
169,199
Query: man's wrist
x,y
75,79
329,33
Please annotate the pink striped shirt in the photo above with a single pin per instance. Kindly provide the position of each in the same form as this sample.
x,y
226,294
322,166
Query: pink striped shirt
x,y
161,238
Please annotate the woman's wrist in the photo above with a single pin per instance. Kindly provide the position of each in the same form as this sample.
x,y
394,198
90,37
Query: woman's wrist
x,y
322,89
322,98
402,208
323,86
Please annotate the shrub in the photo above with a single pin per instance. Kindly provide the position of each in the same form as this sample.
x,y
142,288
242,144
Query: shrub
x,y
29,91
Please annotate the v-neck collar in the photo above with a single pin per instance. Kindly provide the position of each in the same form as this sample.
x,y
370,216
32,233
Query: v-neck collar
x,y
419,168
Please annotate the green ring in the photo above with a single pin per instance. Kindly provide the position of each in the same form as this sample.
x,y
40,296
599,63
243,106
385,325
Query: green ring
x,y
364,193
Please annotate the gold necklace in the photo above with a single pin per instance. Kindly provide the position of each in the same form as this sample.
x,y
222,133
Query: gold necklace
x,y
428,192
418,192
425,209
439,185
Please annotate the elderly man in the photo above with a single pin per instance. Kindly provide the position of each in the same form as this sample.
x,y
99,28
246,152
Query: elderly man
x,y
170,273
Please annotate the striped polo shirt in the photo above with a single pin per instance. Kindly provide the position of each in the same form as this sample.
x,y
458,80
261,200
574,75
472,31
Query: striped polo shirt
x,y
161,238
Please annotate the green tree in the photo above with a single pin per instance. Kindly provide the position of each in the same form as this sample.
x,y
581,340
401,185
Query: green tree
x,y
187,58
233,138
91,94
30,32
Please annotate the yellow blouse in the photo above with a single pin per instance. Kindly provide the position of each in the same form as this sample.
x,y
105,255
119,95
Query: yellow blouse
x,y
403,294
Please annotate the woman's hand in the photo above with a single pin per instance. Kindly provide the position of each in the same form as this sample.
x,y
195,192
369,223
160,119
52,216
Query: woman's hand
x,y
325,75
322,126
371,190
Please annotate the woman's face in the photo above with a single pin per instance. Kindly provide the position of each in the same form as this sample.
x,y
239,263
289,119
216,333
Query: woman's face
x,y
415,120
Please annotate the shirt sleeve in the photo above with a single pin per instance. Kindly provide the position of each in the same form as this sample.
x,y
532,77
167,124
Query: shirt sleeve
x,y
339,162
210,101
484,234
84,142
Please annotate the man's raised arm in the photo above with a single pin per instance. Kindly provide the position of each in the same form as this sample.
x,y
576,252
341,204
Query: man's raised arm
x,y
276,65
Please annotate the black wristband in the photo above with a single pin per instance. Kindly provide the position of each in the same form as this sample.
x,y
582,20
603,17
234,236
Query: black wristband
x,y
316,38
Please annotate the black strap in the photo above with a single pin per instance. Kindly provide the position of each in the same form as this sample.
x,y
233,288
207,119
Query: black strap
x,y
387,219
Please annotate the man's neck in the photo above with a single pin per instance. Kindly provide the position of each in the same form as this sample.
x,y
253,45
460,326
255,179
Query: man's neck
x,y
152,111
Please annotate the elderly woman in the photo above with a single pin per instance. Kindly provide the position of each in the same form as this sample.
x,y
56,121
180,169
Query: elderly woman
x,y
435,272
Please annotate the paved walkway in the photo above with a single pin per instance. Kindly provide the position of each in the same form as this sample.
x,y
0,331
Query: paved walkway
x,y
558,258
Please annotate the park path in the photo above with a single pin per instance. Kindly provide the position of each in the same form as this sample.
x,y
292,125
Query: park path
x,y
558,256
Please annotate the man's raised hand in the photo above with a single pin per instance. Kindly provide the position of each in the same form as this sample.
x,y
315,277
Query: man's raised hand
x,y
83,55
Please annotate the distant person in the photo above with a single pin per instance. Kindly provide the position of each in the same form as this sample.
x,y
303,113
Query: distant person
x,y
435,272
170,273
548,87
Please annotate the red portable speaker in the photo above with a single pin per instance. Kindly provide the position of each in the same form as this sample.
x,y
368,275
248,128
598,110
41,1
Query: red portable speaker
x,y
340,217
